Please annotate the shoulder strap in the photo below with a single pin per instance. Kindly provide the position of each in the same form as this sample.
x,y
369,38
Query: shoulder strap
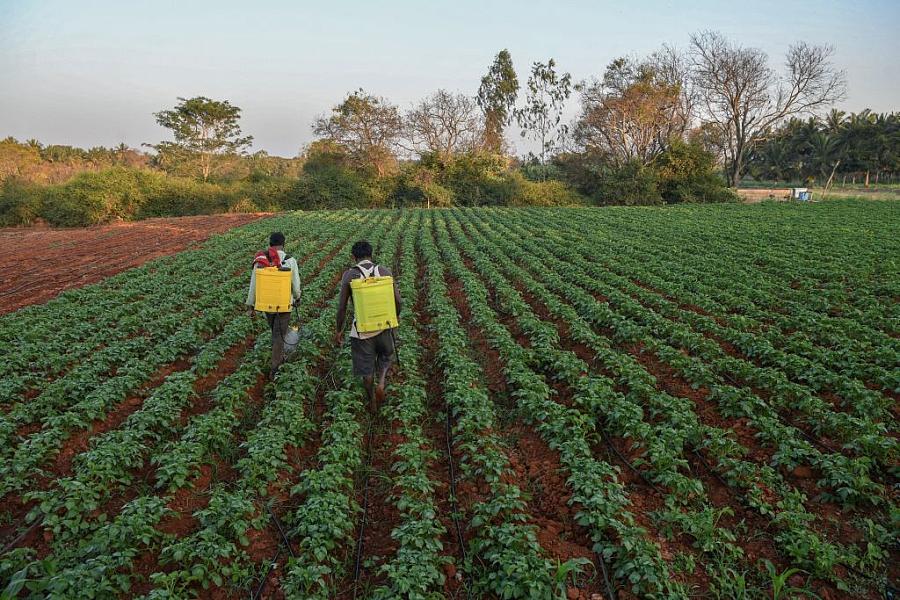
x,y
366,273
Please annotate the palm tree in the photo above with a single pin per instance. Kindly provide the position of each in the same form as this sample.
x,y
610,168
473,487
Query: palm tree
x,y
825,154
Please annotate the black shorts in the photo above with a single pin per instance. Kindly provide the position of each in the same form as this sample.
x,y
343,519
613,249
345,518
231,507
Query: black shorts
x,y
366,352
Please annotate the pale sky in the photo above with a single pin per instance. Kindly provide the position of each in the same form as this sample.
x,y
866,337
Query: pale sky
x,y
92,73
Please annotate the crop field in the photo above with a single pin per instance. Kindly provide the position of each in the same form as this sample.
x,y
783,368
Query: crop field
x,y
695,402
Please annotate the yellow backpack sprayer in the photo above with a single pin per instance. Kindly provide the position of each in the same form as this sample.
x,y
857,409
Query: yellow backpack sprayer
x,y
374,307
273,289
273,293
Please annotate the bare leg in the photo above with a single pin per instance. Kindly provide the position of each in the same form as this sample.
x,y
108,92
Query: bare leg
x,y
382,376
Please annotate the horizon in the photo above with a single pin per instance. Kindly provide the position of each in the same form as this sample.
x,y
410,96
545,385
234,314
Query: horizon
x,y
68,81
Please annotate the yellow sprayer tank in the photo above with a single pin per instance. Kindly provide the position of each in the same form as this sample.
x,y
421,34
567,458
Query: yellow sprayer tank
x,y
373,303
273,290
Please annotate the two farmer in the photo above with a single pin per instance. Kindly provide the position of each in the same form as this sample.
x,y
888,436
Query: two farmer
x,y
371,341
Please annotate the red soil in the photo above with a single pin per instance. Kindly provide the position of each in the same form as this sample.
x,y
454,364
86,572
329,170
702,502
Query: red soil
x,y
72,258
535,467
436,431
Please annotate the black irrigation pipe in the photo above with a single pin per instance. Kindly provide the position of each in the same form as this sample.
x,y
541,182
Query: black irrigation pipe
x,y
365,508
274,561
284,536
627,463
718,477
454,505
809,437
20,537
262,584
609,587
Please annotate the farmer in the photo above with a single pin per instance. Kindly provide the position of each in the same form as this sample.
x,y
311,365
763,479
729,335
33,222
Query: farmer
x,y
279,322
374,347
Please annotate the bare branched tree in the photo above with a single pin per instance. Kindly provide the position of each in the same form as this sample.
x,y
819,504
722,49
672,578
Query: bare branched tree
x,y
444,123
743,97
368,127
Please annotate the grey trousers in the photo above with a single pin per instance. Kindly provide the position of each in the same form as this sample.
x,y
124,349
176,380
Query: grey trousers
x,y
278,323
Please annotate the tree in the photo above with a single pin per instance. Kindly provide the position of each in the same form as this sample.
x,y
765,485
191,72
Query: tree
x,y
497,97
540,117
743,97
445,124
632,113
368,127
203,128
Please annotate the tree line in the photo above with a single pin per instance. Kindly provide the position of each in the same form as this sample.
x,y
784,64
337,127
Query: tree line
x,y
673,126
838,148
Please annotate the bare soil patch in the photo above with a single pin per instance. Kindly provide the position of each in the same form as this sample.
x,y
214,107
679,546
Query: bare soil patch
x,y
71,258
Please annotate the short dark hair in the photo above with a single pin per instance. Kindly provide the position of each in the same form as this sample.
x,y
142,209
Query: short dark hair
x,y
276,239
361,249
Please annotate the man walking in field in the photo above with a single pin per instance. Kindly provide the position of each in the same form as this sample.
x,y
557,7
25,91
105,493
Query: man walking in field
x,y
371,350
279,320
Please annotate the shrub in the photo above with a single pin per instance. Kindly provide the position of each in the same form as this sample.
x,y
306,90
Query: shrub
x,y
268,193
475,178
631,184
90,198
329,186
687,173
523,192
21,203
180,196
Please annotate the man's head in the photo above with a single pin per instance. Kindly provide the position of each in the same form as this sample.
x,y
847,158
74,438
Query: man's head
x,y
276,239
361,250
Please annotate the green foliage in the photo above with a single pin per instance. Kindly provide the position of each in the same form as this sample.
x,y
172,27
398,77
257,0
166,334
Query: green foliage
x,y
540,118
20,203
203,128
631,184
329,186
91,198
684,172
687,173
497,98
523,192
837,145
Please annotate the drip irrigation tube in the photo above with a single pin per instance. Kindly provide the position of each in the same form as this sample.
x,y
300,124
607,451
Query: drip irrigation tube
x,y
454,505
716,475
627,463
262,584
20,537
609,588
284,536
274,561
362,524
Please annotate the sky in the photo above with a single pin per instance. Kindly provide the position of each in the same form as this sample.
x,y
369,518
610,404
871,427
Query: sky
x,y
90,73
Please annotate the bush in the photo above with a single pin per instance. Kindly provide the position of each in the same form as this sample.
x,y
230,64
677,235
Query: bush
x,y
330,186
90,198
524,192
179,196
475,178
21,203
631,184
266,193
687,173
535,171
